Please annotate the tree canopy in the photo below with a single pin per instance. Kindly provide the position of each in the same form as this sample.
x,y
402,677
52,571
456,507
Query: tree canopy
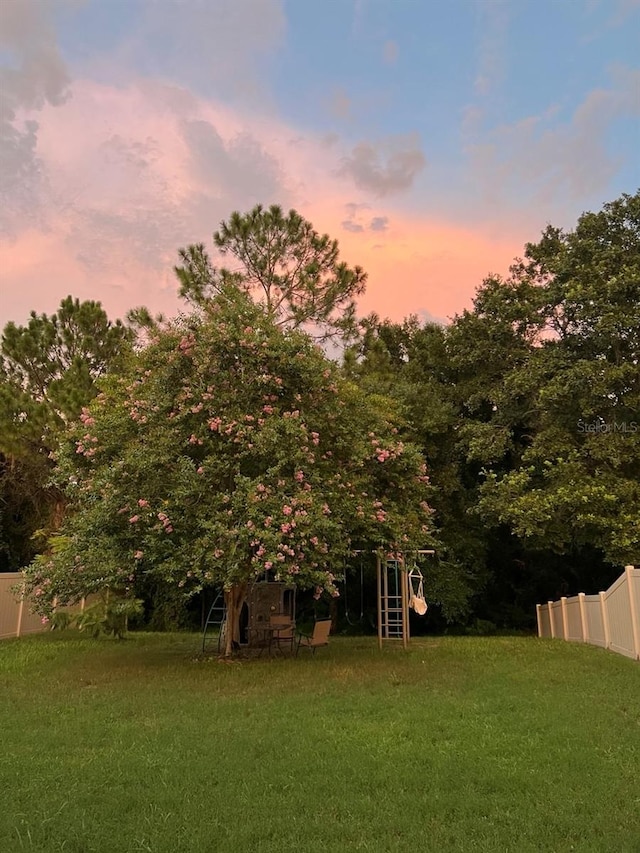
x,y
47,373
227,449
228,446
575,475
527,408
288,266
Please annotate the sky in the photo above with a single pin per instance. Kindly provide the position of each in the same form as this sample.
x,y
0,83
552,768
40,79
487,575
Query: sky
x,y
432,139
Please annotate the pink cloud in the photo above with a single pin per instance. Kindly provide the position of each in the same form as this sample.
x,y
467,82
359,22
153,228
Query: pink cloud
x,y
135,172
419,265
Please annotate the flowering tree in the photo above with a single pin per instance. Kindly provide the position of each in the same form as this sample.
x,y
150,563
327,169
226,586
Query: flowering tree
x,y
228,449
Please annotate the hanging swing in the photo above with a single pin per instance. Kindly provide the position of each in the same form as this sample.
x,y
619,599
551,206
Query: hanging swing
x,y
346,601
416,591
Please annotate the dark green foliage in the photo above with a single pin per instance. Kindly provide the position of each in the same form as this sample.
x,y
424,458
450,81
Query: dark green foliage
x,y
110,617
528,412
568,477
294,271
47,373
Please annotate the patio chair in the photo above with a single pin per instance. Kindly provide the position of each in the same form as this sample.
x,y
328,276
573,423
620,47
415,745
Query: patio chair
x,y
319,636
283,632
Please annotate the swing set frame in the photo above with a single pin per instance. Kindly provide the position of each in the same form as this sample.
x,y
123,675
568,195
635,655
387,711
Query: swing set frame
x,y
393,597
398,603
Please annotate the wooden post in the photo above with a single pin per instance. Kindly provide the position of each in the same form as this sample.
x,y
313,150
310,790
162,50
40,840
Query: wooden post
x,y
539,619
552,626
635,616
605,619
563,610
583,617
405,606
20,612
379,573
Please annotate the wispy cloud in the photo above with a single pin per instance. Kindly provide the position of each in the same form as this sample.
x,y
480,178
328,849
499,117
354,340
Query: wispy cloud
x,y
105,180
547,161
35,75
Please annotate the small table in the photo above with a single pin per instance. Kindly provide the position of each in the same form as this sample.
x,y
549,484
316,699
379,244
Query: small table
x,y
268,636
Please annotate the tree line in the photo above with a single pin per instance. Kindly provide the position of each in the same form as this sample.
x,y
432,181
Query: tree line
x,y
156,457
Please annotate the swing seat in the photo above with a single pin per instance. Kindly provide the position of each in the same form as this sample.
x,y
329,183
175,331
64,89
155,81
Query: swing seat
x,y
416,598
419,605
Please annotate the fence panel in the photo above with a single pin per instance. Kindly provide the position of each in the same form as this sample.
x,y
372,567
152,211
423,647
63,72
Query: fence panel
x,y
619,618
557,627
610,619
544,623
14,618
574,619
595,624
9,605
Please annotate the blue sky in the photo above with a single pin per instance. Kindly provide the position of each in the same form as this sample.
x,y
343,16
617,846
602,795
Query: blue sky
x,y
431,138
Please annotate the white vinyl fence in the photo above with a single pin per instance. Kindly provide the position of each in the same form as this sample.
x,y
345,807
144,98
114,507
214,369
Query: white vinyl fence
x,y
610,619
16,618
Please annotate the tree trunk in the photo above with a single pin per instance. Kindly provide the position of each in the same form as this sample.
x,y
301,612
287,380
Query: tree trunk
x,y
233,599
58,513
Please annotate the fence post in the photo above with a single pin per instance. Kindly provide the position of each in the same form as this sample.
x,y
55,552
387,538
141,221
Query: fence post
x,y
20,611
539,619
635,617
605,618
563,610
551,622
583,617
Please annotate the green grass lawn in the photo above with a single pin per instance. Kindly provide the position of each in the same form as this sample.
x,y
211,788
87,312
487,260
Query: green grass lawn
x,y
498,744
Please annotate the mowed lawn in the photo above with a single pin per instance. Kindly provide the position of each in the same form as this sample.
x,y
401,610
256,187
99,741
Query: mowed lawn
x,y
489,744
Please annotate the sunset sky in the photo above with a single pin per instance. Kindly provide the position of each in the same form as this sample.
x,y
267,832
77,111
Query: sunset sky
x,y
431,138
